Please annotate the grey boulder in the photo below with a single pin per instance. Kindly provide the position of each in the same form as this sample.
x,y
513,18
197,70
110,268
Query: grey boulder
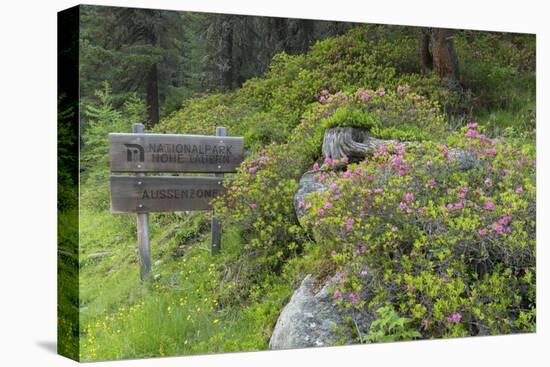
x,y
310,320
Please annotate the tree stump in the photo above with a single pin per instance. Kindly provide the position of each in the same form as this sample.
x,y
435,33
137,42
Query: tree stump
x,y
355,144
350,142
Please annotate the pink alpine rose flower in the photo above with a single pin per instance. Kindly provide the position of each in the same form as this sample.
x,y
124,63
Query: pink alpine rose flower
x,y
471,133
499,228
353,298
454,318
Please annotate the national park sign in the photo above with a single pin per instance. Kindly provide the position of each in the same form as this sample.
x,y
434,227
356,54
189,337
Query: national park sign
x,y
141,153
174,153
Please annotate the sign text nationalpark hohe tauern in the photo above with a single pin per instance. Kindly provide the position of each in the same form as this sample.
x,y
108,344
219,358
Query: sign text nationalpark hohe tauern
x,y
174,153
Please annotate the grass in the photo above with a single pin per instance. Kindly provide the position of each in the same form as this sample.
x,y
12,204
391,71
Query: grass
x,y
178,312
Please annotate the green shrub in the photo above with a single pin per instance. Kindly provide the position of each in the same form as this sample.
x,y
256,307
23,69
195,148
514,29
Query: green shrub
x,y
260,203
267,109
388,114
390,327
452,250
346,116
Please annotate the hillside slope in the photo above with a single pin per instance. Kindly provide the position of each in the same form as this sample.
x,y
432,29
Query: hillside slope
x,y
371,78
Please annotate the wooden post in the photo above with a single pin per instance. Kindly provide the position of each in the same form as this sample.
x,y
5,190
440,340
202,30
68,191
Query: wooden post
x,y
216,230
143,228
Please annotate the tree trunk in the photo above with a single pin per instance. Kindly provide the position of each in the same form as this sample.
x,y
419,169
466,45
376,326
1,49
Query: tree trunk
x,y
425,54
281,30
445,62
302,35
227,64
153,96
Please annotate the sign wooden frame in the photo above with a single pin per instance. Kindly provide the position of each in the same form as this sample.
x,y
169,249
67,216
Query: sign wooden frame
x,y
140,153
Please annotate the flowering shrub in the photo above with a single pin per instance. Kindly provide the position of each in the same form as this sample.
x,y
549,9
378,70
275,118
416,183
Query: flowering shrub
x,y
260,198
452,250
260,202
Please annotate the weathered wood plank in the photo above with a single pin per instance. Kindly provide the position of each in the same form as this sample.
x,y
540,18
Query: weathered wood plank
x,y
142,223
215,224
163,193
174,153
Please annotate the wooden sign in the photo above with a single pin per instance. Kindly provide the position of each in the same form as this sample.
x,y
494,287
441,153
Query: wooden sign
x,y
163,193
141,153
174,153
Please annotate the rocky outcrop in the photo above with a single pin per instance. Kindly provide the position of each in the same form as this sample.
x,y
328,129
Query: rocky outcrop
x,y
312,319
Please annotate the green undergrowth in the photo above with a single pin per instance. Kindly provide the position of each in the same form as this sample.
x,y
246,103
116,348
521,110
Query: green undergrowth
x,y
179,311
